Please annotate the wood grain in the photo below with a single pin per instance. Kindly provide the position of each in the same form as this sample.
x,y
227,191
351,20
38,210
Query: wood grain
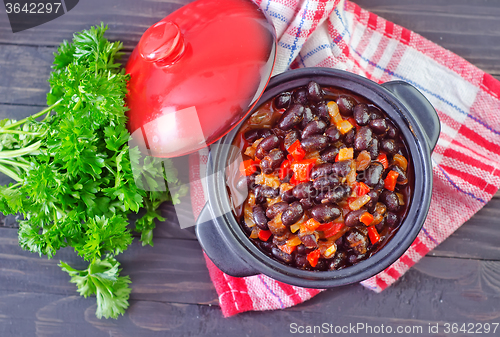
x,y
437,290
172,294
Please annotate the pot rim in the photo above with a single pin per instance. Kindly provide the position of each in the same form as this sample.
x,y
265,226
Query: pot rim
x,y
418,148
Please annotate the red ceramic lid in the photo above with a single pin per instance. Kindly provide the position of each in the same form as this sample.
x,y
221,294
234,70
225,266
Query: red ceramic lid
x,y
197,73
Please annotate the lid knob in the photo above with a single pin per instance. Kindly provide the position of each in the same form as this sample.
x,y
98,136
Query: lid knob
x,y
162,44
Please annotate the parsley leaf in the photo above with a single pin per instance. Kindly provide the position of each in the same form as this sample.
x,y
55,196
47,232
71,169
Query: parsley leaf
x,y
72,167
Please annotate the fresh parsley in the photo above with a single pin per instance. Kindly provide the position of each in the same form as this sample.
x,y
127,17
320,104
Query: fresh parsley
x,y
73,179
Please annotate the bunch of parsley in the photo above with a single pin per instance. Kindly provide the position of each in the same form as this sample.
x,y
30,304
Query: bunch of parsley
x,y
74,183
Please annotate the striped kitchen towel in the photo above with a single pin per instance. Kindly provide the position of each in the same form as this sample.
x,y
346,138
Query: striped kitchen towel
x,y
466,160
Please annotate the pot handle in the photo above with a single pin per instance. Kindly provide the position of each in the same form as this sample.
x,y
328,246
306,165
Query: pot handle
x,y
420,108
217,249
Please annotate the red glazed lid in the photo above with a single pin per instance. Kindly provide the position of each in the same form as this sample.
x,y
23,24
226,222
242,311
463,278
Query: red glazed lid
x,y
197,73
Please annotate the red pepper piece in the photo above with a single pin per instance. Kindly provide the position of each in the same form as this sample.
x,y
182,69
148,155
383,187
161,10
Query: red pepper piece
x,y
248,167
391,180
287,249
264,235
285,169
373,235
302,169
362,189
353,122
297,151
313,257
382,158
311,225
330,228
366,218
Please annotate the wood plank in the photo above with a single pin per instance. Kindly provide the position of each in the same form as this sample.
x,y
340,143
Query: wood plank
x,y
174,270
126,20
477,238
437,290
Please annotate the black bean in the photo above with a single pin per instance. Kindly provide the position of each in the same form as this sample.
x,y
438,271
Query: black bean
x,y
307,203
301,249
291,117
292,214
272,161
320,196
341,168
321,110
357,241
333,134
363,138
315,142
290,138
325,212
280,133
361,114
314,92
346,105
246,183
309,240
275,209
389,146
314,128
259,196
370,205
338,193
301,261
263,191
349,137
392,131
381,224
392,219
287,196
373,149
390,199
304,190
300,96
281,255
375,113
379,126
338,261
321,265
372,175
329,154
282,101
266,145
321,170
325,182
265,133
259,217
252,135
266,245
352,218
307,117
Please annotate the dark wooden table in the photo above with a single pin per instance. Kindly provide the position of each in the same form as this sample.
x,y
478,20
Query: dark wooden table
x,y
172,295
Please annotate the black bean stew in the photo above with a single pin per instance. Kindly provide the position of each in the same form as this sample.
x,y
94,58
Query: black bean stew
x,y
328,176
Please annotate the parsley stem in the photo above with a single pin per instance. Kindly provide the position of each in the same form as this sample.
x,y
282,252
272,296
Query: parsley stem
x,y
20,152
38,114
14,163
10,173
19,132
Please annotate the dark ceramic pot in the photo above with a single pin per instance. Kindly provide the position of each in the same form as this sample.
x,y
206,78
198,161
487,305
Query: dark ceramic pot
x,y
226,244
